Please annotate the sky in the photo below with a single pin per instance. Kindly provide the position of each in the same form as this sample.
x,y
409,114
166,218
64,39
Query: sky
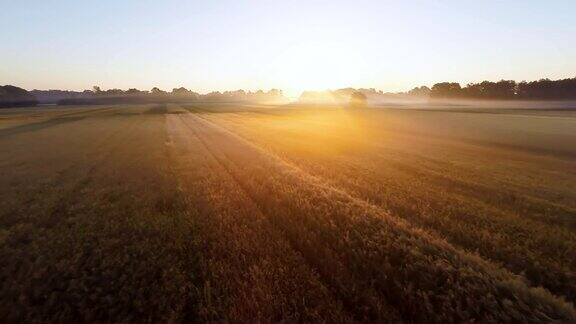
x,y
290,45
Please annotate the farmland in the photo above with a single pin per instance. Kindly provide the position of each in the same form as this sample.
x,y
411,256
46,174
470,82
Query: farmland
x,y
215,212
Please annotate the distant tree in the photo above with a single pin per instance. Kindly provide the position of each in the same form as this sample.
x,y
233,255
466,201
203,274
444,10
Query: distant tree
x,y
11,96
54,96
156,91
504,89
358,100
133,91
446,90
275,92
183,93
96,89
214,96
547,89
422,91
473,90
180,91
543,89
114,92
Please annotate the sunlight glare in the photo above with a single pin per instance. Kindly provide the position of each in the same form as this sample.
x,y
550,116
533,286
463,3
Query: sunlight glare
x,y
316,66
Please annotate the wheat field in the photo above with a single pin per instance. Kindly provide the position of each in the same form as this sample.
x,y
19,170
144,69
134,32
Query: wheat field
x,y
243,213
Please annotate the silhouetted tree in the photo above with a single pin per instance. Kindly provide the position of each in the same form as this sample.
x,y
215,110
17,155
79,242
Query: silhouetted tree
x,y
54,96
543,89
11,96
547,89
275,93
114,92
446,90
135,92
358,100
504,89
422,91
157,92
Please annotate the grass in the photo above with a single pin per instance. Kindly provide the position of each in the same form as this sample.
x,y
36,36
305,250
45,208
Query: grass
x,y
224,213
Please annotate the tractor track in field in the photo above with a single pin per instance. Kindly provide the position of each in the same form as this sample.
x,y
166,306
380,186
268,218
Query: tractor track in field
x,y
223,163
351,306
310,179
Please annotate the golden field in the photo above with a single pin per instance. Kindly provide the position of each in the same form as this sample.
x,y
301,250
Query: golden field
x,y
222,212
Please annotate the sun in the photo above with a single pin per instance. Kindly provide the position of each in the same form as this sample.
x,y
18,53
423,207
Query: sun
x,y
315,66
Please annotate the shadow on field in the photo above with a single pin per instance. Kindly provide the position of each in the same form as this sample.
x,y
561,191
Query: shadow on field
x,y
37,126
157,110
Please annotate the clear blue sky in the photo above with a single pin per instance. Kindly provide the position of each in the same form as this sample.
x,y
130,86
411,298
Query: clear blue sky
x,y
293,45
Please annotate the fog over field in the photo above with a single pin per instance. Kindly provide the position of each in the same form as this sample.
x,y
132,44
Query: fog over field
x,y
219,212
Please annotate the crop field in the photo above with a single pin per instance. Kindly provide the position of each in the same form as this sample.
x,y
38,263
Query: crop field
x,y
246,213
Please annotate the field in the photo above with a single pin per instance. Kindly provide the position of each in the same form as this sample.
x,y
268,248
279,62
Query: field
x,y
216,212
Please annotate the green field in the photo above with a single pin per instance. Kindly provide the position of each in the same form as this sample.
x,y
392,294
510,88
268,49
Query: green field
x,y
221,212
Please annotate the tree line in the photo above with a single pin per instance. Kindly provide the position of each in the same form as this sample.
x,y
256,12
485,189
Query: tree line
x,y
97,96
11,96
543,89
237,95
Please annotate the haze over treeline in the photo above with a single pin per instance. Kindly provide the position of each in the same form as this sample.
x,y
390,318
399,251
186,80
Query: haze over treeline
x,y
543,89
508,89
